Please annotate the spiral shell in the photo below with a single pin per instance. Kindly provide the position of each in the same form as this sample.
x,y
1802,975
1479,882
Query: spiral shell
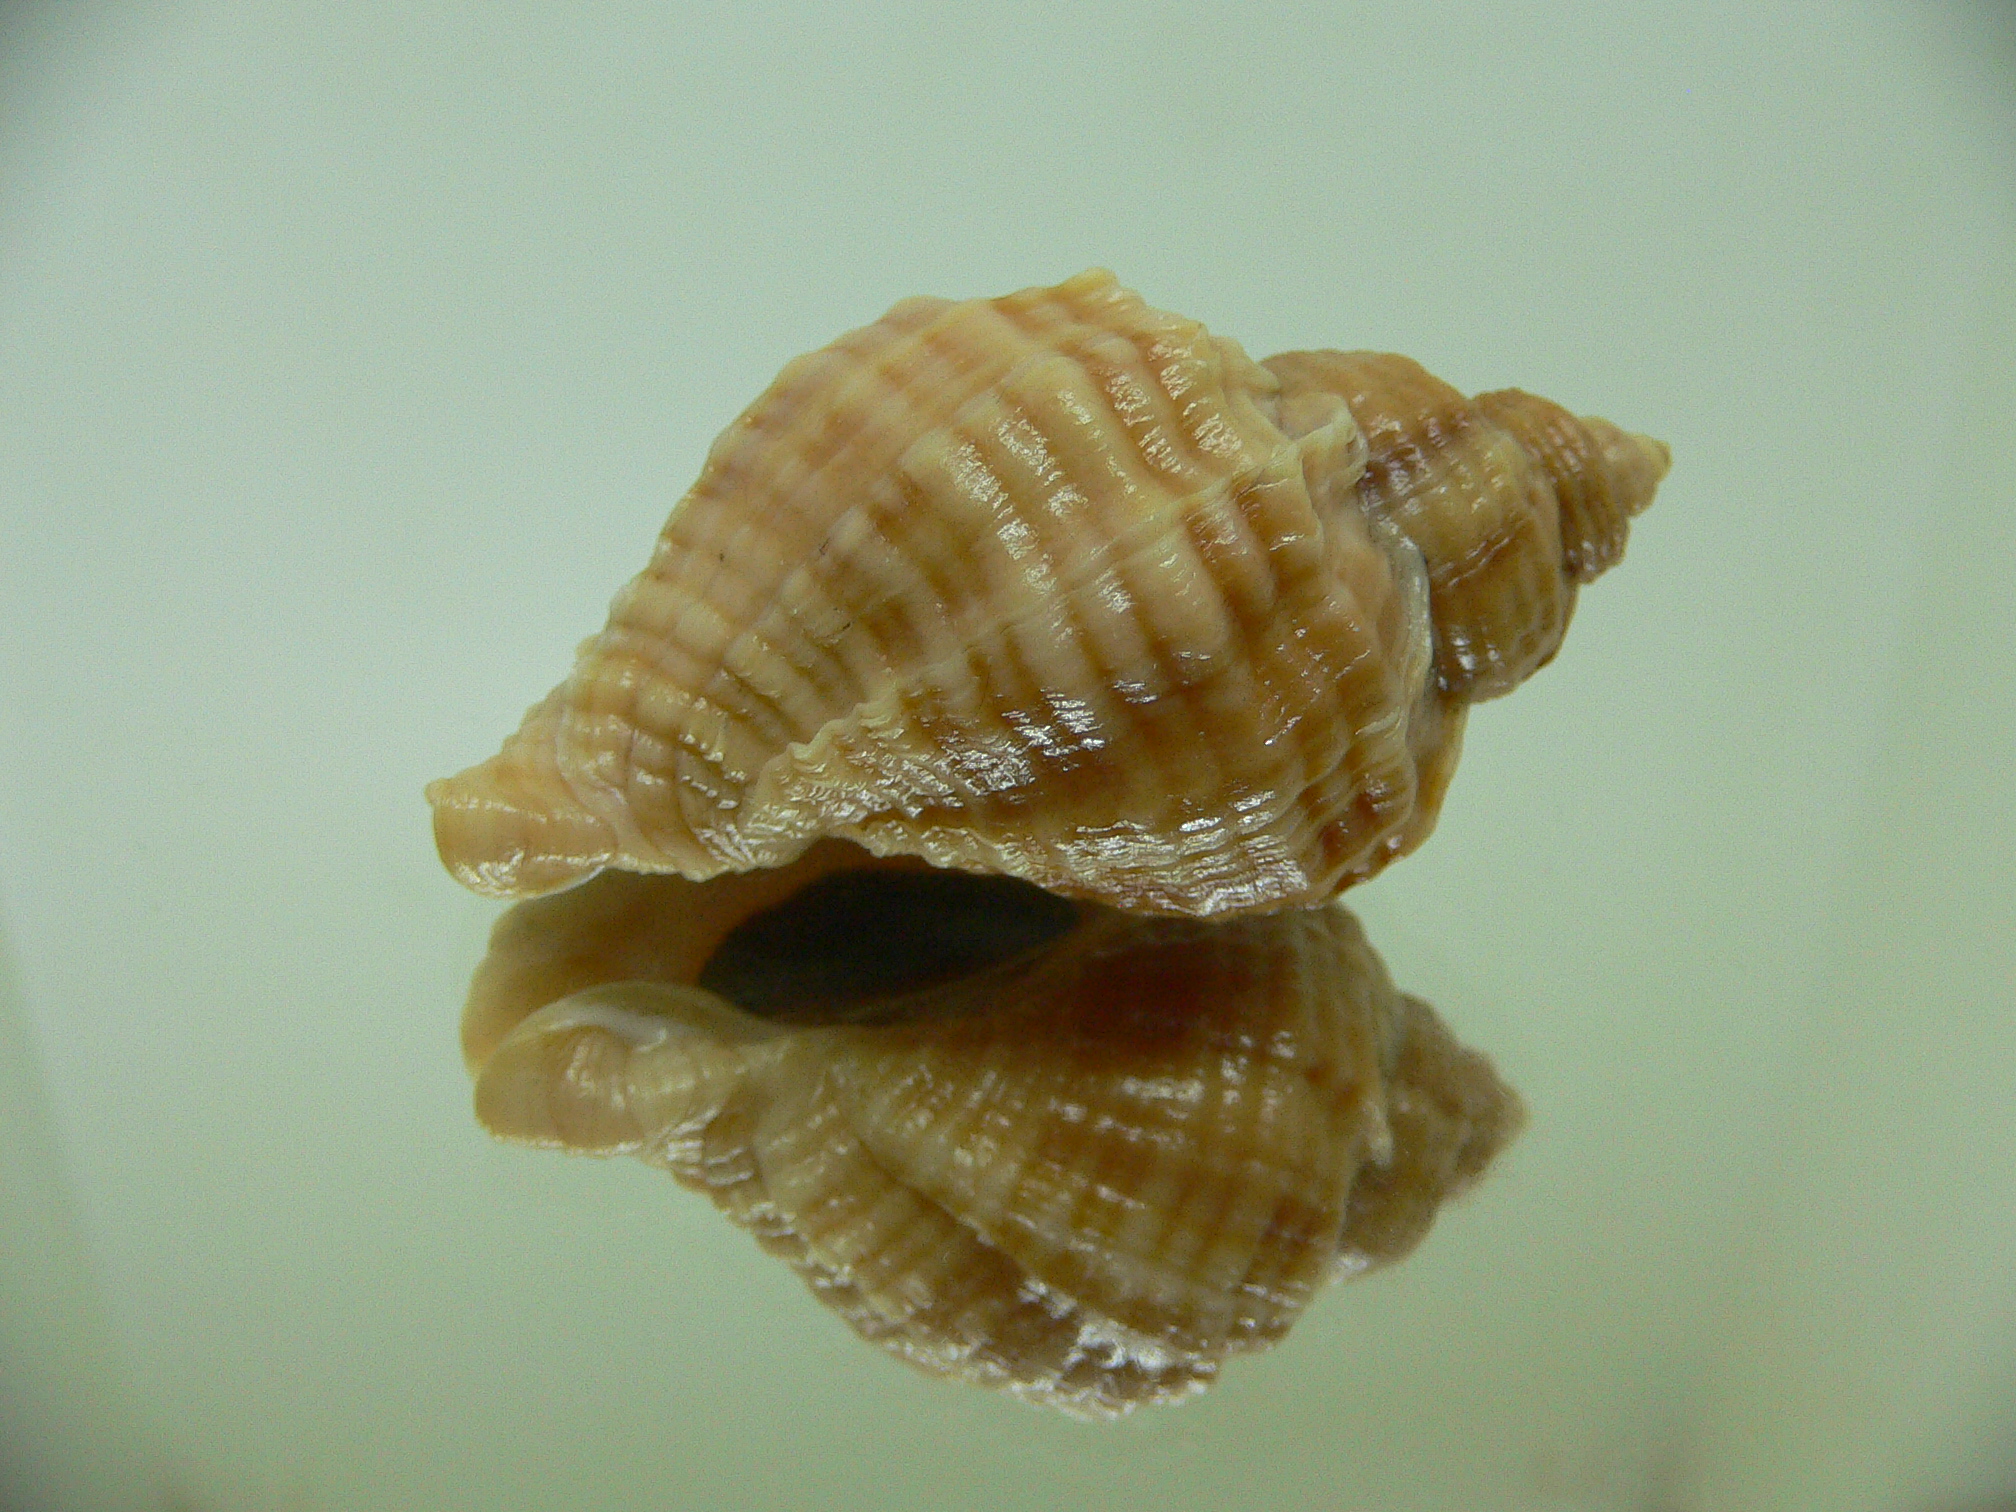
x,y
1511,500
1063,587
1083,1167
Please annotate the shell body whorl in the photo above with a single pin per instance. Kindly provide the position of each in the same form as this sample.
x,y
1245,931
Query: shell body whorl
x,y
1062,587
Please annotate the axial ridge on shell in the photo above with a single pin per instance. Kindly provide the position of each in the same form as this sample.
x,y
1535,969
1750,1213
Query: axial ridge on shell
x,y
1065,587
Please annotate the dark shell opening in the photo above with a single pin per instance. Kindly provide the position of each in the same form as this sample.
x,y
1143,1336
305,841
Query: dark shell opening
x,y
856,938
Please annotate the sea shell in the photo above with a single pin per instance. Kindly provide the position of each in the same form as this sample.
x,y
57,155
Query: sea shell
x,y
1063,587
1076,1154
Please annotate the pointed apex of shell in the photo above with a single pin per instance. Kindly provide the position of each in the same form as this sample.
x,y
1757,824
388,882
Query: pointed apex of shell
x,y
1639,465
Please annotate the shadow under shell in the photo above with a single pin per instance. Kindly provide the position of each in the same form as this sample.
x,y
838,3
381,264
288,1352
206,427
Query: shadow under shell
x,y
1033,1144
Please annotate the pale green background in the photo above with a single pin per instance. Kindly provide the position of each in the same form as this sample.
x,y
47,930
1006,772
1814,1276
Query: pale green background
x,y
350,357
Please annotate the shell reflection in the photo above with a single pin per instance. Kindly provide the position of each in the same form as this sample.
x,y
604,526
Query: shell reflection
x,y
1043,1146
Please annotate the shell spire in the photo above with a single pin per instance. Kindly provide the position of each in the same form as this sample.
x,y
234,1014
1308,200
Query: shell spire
x,y
1512,501
1063,587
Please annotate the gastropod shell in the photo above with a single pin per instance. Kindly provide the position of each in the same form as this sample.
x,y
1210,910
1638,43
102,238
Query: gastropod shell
x,y
1064,587
943,834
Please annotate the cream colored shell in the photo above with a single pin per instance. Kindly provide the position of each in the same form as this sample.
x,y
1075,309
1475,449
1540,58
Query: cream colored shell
x,y
1086,1174
1064,587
